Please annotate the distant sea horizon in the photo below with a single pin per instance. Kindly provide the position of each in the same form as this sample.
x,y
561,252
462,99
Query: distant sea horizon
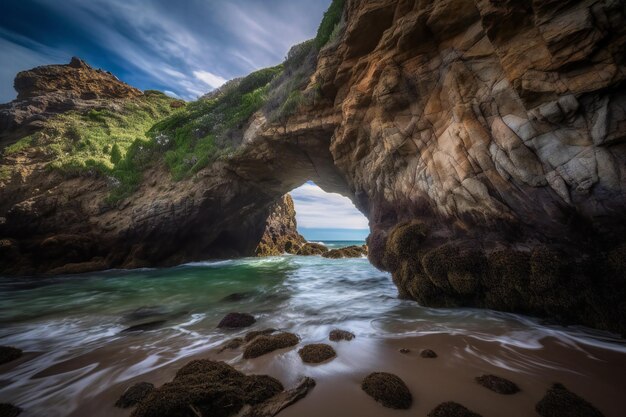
x,y
328,234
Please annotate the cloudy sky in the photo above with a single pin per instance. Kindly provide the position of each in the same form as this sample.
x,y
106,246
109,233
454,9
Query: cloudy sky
x,y
185,48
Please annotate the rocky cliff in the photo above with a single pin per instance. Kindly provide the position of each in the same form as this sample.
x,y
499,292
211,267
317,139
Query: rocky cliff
x,y
281,230
484,140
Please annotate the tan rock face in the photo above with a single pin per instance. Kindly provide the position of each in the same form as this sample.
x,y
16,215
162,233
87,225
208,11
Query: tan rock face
x,y
281,230
484,140
51,89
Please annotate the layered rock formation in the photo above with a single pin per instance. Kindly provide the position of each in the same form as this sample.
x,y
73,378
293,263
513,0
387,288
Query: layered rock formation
x,y
281,230
484,140
52,89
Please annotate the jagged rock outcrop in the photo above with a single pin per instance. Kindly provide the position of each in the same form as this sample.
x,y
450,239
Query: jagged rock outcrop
x,y
52,89
484,140
281,230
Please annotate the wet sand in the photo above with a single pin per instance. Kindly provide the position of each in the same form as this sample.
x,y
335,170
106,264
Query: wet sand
x,y
594,373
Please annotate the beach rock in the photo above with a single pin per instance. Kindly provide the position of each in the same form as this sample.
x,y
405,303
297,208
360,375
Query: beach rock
x,y
452,409
262,345
387,389
147,326
134,394
236,320
427,353
251,335
279,402
404,350
316,353
9,353
237,296
9,410
281,230
497,384
347,252
337,335
310,249
207,389
560,402
232,344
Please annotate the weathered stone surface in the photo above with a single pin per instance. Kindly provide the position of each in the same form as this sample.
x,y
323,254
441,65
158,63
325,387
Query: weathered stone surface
x,y
312,248
236,320
316,353
498,384
281,230
264,344
561,402
134,394
338,335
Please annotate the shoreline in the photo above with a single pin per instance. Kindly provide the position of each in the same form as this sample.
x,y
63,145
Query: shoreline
x,y
449,377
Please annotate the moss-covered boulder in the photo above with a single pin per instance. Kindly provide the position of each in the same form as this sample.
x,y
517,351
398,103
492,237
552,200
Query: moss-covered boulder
x,y
311,248
236,320
337,335
134,394
262,345
498,384
206,388
317,353
561,402
452,409
387,389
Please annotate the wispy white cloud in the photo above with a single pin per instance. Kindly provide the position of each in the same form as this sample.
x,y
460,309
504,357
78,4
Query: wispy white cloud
x,y
212,80
316,208
189,48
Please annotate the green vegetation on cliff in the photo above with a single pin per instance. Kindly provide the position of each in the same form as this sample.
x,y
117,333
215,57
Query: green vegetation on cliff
x,y
331,23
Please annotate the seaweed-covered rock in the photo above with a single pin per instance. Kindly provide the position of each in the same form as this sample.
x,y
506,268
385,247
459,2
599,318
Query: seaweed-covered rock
x,y
316,353
9,353
387,389
259,388
204,388
311,248
561,402
269,343
337,335
428,354
452,409
134,394
497,384
347,252
9,410
232,344
251,335
237,320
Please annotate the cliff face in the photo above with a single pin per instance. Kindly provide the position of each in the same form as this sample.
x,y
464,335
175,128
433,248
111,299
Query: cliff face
x,y
484,140
48,90
281,230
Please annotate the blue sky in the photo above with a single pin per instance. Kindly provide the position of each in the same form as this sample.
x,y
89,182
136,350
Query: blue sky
x,y
185,48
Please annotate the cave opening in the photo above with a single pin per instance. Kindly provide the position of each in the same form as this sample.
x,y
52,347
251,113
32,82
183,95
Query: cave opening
x,y
323,216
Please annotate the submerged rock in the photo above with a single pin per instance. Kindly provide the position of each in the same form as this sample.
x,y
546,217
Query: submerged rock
x,y
427,353
338,335
311,248
317,353
9,353
134,394
237,296
561,402
237,320
9,410
142,327
262,345
251,335
232,344
452,409
388,389
206,388
347,252
497,384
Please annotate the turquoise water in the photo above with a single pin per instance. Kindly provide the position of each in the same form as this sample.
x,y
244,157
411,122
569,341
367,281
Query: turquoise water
x,y
73,327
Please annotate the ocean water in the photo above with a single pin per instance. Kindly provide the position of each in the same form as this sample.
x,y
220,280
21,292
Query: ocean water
x,y
82,349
